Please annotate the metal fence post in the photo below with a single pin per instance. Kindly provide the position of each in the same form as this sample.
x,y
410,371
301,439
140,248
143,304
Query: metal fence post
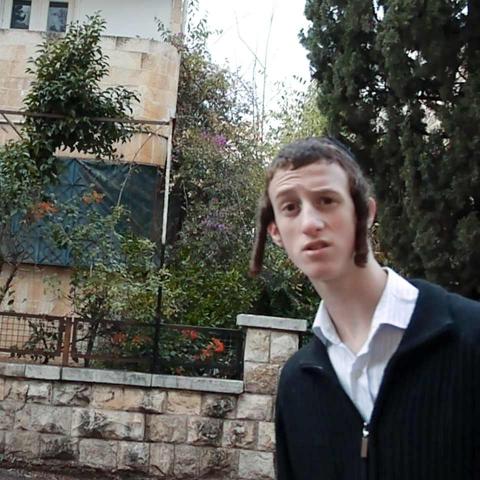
x,y
67,340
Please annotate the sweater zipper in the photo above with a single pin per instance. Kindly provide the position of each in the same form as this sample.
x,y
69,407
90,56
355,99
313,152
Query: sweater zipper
x,y
364,443
366,425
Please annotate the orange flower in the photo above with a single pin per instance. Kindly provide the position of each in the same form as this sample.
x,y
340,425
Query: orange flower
x,y
190,334
97,196
43,208
215,346
94,197
119,338
218,345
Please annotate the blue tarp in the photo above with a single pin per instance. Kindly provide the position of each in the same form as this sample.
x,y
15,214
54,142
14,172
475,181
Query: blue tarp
x,y
142,188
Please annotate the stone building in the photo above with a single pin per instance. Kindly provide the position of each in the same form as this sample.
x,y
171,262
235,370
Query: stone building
x,y
139,60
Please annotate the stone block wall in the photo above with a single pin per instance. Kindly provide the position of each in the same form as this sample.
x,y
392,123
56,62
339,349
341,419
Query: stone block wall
x,y
159,426
33,293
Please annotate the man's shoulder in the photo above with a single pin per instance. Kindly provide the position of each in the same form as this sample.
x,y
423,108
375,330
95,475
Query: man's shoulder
x,y
455,300
463,312
306,355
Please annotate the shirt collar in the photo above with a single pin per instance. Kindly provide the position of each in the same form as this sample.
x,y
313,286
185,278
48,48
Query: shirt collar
x,y
390,310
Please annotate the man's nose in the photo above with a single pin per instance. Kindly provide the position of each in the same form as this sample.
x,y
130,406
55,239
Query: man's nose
x,y
312,220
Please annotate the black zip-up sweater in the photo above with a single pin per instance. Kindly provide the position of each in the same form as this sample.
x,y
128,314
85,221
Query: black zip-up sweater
x,y
425,424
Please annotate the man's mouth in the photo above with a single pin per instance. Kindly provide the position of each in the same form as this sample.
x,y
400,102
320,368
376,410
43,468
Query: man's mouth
x,y
315,246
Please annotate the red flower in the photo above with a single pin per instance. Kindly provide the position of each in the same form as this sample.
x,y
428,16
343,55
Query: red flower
x,y
218,345
190,334
207,352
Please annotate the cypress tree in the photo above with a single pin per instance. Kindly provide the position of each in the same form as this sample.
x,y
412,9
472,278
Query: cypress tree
x,y
400,81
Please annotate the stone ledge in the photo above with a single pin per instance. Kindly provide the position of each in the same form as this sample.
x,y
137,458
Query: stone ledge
x,y
217,385
12,369
120,377
272,323
106,376
43,372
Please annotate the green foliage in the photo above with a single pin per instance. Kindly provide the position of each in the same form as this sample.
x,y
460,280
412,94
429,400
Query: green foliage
x,y
216,169
401,81
115,277
44,337
286,291
115,274
298,115
68,72
19,178
22,186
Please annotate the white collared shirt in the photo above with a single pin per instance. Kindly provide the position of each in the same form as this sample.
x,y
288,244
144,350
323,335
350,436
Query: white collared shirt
x,y
361,374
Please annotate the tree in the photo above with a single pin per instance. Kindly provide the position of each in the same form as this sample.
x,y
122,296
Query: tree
x,y
296,116
115,276
217,166
114,273
67,74
400,82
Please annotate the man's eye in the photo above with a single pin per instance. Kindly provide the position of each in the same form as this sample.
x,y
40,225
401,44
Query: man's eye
x,y
326,200
289,207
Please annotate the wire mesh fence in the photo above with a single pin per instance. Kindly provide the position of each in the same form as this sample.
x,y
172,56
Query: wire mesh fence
x,y
38,337
75,341
213,352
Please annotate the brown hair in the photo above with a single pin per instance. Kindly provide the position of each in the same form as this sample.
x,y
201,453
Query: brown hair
x,y
299,154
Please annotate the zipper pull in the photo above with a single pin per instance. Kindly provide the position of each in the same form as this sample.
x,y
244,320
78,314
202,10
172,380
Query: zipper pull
x,y
364,445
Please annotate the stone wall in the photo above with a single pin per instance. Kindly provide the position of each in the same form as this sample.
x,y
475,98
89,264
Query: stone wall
x,y
39,289
162,426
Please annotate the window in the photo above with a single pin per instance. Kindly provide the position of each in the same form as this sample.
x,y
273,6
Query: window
x,y
21,14
57,17
38,15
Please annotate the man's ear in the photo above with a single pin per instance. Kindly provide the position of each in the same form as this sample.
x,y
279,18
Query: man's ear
x,y
372,211
275,234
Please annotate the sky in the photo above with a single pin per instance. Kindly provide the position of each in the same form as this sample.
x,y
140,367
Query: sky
x,y
263,29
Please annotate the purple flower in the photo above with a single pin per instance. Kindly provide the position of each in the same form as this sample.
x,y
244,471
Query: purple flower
x,y
212,225
219,140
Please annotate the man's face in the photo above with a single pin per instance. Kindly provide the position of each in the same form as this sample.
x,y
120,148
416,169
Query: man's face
x,y
314,219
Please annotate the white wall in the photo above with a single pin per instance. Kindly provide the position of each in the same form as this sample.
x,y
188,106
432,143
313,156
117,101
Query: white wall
x,y
127,18
2,11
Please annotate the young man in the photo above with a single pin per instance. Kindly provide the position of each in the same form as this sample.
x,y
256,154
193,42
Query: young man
x,y
389,388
